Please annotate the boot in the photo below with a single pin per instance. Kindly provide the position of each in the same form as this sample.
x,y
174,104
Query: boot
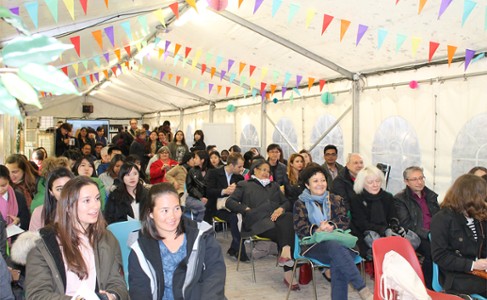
x,y
365,294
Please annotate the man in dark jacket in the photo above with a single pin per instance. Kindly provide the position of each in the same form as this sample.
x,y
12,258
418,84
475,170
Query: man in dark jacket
x,y
278,169
343,183
331,167
63,140
222,182
415,206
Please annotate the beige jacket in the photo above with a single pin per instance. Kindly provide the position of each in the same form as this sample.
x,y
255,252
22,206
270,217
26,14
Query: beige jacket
x,y
177,175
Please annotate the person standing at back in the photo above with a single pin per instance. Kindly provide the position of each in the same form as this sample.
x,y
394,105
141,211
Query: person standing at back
x,y
278,169
331,166
133,127
415,206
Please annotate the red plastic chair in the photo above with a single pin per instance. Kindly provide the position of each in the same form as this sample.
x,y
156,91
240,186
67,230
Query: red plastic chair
x,y
402,246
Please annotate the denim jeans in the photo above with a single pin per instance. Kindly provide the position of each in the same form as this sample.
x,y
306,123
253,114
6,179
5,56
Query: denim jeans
x,y
343,268
197,208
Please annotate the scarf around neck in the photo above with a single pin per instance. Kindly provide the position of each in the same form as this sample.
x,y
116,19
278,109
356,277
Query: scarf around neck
x,y
315,214
265,182
9,207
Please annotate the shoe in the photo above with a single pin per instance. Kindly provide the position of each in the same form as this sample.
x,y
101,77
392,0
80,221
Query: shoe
x,y
232,252
294,287
326,276
288,262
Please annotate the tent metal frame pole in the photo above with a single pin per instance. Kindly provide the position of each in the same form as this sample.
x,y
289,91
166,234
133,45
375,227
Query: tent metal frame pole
x,y
263,125
355,115
330,128
281,133
211,112
181,116
286,43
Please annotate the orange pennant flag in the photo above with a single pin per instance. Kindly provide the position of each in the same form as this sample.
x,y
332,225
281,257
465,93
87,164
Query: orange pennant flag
x,y
421,5
98,38
239,3
106,3
117,53
127,64
105,72
176,49
273,88
251,70
311,80
227,90
127,49
175,9
186,52
83,79
344,24
218,89
177,79
451,53
161,51
241,67
169,77
212,72
203,69
433,47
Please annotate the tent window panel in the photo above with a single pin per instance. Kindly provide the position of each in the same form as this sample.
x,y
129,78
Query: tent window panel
x,y
396,144
188,136
470,148
249,138
287,128
334,137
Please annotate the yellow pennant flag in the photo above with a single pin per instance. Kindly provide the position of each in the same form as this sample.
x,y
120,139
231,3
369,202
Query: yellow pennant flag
x,y
138,46
185,81
236,91
75,68
70,7
169,77
161,51
192,3
263,72
415,44
310,14
196,59
252,83
160,16
117,53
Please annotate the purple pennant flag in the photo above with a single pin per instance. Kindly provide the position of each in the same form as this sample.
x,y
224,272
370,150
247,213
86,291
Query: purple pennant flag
x,y
361,31
283,92
120,68
230,64
107,57
167,45
210,87
263,95
76,83
469,54
443,7
109,33
222,74
97,77
15,10
162,75
257,5
298,80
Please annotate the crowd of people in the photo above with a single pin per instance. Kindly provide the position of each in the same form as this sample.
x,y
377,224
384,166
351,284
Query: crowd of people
x,y
64,203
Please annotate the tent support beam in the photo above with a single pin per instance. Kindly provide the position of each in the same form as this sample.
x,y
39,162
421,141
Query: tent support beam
x,y
281,133
330,128
286,43
211,112
183,91
355,114
263,125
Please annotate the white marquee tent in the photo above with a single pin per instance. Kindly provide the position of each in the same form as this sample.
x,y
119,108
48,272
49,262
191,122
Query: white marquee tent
x,y
401,82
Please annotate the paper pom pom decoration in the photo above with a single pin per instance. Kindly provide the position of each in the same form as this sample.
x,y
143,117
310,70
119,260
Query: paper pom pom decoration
x,y
218,5
413,84
327,98
275,100
231,108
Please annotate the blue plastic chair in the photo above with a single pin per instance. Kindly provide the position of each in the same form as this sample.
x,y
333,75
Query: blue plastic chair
x,y
121,231
436,282
298,258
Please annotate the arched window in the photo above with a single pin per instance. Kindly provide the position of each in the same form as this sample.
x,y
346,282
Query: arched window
x,y
249,138
189,135
335,137
286,126
470,148
396,144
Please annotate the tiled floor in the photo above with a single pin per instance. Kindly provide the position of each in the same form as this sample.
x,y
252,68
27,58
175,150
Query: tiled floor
x,y
269,283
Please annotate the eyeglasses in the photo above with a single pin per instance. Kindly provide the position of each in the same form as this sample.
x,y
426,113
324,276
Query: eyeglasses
x,y
421,178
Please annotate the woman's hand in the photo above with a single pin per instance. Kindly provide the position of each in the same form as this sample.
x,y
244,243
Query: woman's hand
x,y
325,226
15,219
276,214
480,264
109,295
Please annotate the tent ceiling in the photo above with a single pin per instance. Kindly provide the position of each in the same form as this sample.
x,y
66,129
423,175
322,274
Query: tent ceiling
x,y
275,45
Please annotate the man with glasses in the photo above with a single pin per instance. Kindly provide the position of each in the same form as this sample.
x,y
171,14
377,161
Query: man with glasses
x,y
331,166
415,206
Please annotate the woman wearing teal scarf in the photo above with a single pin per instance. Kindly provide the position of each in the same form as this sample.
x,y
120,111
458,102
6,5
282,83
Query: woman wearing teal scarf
x,y
317,210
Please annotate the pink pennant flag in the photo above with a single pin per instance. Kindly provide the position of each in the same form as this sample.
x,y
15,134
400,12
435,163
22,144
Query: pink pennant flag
x,y
258,3
469,54
109,33
360,33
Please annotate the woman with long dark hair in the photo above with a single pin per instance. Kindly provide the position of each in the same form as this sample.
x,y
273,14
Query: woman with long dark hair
x,y
174,257
76,256
108,177
178,146
23,176
45,214
84,166
196,185
128,196
12,208
199,141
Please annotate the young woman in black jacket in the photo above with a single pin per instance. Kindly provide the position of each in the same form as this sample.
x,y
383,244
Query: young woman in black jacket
x,y
196,186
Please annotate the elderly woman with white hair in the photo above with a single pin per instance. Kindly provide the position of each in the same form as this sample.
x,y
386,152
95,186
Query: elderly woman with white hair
x,y
373,212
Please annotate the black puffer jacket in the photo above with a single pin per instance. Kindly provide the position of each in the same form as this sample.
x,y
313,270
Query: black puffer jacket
x,y
342,186
195,183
